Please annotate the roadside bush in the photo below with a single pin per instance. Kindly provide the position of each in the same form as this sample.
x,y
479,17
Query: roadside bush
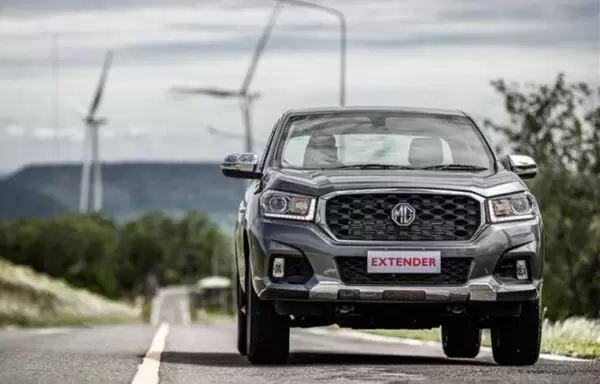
x,y
94,252
558,125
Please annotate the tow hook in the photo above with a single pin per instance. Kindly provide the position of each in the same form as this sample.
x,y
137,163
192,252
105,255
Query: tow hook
x,y
344,309
456,310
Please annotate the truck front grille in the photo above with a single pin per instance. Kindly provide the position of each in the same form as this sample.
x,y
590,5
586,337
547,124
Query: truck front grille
x,y
438,217
353,271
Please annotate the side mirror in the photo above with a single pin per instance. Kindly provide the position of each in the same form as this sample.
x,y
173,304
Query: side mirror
x,y
240,166
522,165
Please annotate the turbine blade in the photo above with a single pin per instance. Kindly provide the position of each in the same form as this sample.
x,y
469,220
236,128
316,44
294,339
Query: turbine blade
x,y
205,91
101,84
260,46
76,107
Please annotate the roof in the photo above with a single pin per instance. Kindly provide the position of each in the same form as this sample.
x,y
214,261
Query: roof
x,y
214,282
334,109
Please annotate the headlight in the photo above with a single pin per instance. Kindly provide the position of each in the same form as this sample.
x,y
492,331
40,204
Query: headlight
x,y
521,206
283,205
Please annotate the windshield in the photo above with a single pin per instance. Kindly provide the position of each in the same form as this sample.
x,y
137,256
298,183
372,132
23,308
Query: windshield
x,y
386,140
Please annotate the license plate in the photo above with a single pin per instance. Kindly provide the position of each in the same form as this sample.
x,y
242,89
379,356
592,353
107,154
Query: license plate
x,y
404,262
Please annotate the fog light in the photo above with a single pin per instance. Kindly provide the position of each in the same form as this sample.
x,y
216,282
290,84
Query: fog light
x,y
278,267
522,270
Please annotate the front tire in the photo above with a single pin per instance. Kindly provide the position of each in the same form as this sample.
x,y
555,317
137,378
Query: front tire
x,y
268,334
461,339
241,320
518,341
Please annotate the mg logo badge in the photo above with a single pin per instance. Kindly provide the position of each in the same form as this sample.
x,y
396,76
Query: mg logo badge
x,y
403,214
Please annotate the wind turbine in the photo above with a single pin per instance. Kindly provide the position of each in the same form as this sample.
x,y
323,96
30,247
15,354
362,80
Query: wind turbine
x,y
91,146
245,97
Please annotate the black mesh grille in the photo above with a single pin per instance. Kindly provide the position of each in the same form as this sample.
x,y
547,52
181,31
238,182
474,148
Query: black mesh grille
x,y
353,270
438,217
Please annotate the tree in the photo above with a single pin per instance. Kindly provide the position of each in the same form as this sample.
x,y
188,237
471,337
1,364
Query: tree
x,y
93,252
559,126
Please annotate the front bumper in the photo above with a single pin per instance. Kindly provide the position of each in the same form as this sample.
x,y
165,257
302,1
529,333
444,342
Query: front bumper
x,y
484,289
487,249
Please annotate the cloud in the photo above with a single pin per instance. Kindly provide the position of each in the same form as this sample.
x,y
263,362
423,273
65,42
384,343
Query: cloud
x,y
154,31
26,8
439,53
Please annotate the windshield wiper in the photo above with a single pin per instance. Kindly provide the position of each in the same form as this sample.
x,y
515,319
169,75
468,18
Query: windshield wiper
x,y
456,167
373,166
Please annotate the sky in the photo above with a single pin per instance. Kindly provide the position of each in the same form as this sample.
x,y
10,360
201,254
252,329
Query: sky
x,y
422,53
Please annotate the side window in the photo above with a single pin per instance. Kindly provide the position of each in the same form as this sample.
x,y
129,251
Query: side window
x,y
293,153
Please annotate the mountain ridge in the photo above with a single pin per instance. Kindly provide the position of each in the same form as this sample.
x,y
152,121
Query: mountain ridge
x,y
131,188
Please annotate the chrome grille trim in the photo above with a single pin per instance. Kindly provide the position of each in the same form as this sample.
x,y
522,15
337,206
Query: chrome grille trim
x,y
321,220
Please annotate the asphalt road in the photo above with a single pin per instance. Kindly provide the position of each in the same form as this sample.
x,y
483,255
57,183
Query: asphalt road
x,y
176,351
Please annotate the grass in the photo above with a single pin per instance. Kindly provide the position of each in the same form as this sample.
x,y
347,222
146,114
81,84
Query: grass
x,y
214,315
146,311
575,337
193,310
28,298
61,321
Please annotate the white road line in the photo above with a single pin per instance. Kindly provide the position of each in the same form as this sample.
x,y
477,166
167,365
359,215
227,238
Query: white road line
x,y
184,306
147,372
50,331
388,339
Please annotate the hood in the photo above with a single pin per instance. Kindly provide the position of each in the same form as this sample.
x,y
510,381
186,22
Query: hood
x,y
320,182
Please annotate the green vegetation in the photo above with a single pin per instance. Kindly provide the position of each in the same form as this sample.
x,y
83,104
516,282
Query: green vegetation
x,y
559,126
114,260
214,315
574,337
146,311
28,298
193,311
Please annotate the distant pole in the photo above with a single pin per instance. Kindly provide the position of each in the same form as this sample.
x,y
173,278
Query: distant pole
x,y
215,264
56,98
343,51
343,39
342,59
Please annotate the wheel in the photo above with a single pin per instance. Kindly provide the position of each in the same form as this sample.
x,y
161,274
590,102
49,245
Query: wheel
x,y
241,319
461,339
268,334
518,341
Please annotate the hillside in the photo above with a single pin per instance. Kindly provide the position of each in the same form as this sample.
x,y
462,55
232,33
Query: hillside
x,y
31,298
130,189
17,201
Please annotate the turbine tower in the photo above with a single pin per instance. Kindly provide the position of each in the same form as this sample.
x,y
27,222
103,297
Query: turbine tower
x,y
91,147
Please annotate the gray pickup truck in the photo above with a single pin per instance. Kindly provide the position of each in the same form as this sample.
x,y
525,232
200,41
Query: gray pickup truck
x,y
387,218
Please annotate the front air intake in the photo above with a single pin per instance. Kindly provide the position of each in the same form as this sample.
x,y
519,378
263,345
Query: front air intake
x,y
437,217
